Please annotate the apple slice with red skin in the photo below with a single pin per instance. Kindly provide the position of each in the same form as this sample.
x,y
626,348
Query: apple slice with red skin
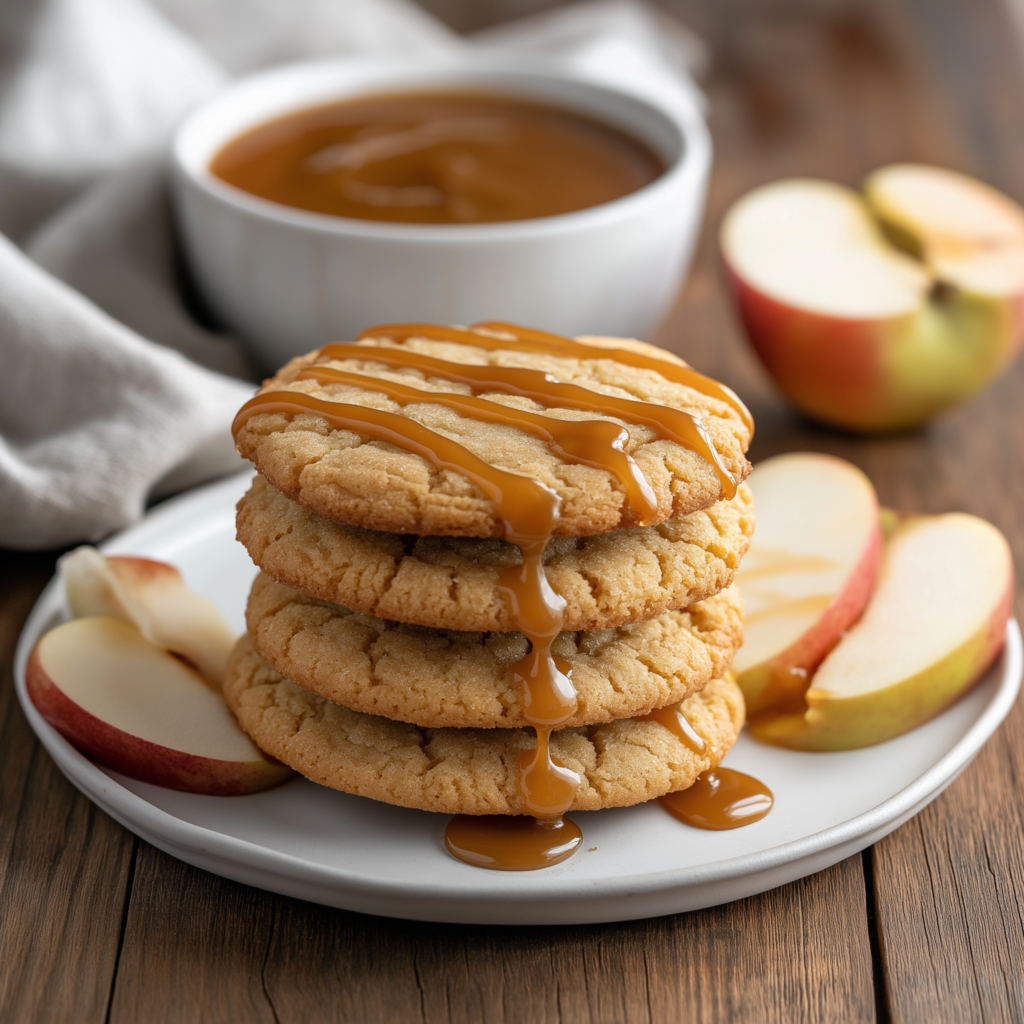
x,y
154,597
934,625
133,707
808,574
875,311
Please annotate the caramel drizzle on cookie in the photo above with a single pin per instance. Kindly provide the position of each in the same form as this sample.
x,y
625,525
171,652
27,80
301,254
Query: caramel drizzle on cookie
x,y
673,719
524,339
528,510
597,443
674,425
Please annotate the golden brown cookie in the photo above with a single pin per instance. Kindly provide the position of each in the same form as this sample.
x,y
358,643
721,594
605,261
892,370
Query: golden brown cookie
x,y
452,582
351,478
444,678
470,771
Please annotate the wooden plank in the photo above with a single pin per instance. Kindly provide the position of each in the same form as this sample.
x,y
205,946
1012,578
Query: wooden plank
x,y
64,865
194,947
950,897
799,953
198,948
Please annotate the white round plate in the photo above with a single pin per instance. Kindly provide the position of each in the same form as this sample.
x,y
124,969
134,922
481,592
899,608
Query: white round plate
x,y
310,842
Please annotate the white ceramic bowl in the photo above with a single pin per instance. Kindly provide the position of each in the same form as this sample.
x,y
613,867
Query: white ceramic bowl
x,y
289,281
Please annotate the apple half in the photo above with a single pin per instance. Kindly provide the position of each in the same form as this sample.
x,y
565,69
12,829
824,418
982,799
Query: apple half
x,y
133,707
935,623
875,311
808,574
153,596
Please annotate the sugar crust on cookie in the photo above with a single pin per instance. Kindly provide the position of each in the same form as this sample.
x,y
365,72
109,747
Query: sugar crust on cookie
x,y
470,771
444,678
344,476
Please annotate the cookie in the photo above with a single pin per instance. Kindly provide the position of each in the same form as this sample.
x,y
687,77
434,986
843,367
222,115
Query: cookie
x,y
354,479
452,583
443,678
470,771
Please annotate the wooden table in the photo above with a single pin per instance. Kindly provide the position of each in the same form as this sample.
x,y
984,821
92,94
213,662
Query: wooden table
x,y
926,926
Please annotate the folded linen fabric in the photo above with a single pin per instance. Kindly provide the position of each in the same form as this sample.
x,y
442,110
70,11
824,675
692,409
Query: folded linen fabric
x,y
113,394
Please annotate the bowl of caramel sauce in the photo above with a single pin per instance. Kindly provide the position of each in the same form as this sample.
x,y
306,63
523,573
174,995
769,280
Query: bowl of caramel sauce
x,y
317,198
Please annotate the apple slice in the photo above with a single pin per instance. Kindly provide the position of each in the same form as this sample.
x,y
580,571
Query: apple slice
x,y
861,332
808,574
967,234
934,624
137,709
154,597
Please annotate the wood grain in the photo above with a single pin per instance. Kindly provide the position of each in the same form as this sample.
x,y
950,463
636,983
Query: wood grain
x,y
199,948
64,864
194,947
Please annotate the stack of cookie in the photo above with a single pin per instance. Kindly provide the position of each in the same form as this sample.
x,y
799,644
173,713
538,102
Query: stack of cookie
x,y
381,641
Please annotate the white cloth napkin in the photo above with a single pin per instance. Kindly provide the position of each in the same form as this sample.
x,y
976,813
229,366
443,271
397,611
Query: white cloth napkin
x,y
112,394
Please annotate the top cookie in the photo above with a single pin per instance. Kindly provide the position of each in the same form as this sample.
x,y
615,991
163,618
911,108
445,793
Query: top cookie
x,y
351,478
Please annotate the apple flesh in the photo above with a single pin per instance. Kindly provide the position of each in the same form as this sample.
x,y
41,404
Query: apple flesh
x,y
153,596
133,707
808,574
934,625
873,312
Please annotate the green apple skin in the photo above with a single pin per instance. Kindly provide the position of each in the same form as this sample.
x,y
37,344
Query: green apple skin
x,y
831,723
782,680
872,376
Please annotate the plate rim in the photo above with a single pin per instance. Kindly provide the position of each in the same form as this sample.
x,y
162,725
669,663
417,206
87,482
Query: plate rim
x,y
177,836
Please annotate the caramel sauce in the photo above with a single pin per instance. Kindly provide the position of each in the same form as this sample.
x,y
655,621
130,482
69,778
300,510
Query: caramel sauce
x,y
673,719
528,511
527,340
785,693
672,424
511,843
437,158
720,799
597,443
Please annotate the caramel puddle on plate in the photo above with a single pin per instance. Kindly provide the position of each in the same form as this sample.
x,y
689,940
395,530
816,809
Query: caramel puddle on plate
x,y
511,842
720,799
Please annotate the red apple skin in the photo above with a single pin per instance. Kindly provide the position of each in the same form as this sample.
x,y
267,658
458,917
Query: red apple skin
x,y
834,369
775,682
842,383
139,758
145,569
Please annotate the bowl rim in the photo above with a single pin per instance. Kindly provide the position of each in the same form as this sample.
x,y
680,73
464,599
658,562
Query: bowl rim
x,y
694,147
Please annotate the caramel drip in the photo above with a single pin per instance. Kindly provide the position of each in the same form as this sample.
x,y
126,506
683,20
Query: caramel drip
x,y
720,799
597,443
511,842
672,424
673,719
528,340
528,510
